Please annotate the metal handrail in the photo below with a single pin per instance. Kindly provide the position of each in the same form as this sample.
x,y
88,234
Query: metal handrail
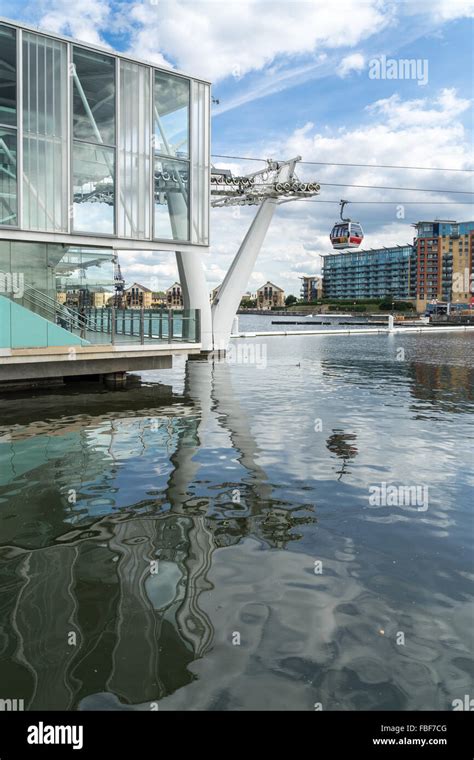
x,y
55,309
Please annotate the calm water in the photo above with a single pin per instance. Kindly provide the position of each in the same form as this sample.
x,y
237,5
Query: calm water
x,y
275,323
236,479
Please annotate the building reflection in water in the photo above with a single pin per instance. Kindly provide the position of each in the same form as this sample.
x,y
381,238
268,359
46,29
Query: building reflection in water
x,y
445,387
82,609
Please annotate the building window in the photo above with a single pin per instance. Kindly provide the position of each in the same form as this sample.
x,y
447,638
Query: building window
x,y
171,159
171,115
171,199
93,128
8,76
44,116
93,97
134,151
8,118
8,174
200,163
94,188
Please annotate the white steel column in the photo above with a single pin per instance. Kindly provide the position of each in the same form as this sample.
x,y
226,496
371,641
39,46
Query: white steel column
x,y
230,293
190,269
195,291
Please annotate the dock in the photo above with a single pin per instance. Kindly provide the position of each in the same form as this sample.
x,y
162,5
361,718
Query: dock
x,y
360,331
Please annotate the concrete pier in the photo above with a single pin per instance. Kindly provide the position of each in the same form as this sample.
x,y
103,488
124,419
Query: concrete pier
x,y
31,365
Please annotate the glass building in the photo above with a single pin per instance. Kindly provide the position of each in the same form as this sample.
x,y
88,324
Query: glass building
x,y
377,273
98,153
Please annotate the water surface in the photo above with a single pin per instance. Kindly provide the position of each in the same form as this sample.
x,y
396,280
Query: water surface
x,y
144,533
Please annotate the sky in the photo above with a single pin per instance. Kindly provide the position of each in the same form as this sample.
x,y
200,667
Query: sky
x,y
298,77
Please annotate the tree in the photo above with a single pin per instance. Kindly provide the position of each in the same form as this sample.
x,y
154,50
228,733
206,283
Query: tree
x,y
248,303
290,300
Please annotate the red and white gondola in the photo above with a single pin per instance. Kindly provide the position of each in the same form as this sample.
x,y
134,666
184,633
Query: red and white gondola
x,y
346,233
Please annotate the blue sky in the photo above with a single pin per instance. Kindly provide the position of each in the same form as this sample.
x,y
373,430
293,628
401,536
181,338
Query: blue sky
x,y
293,78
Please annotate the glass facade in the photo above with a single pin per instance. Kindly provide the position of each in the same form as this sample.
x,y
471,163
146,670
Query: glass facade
x,y
45,190
8,128
134,151
171,103
93,75
171,199
8,176
8,69
93,113
200,165
82,270
106,146
94,188
171,115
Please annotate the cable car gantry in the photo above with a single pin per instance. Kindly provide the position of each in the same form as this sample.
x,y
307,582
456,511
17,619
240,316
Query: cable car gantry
x,y
277,181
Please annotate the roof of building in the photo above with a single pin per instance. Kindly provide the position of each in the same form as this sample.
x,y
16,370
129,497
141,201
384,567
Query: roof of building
x,y
137,285
96,47
382,249
272,284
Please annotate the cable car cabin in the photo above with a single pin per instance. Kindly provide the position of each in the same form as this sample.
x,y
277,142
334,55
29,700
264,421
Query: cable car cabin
x,y
346,235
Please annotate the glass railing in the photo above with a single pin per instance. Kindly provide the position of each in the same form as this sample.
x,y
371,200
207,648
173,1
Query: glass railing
x,y
142,326
110,324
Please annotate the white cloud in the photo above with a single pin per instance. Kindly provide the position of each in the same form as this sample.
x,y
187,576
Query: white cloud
x,y
417,132
83,21
419,112
353,62
217,39
448,10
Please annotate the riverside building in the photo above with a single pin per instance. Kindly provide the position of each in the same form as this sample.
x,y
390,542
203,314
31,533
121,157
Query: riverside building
x,y
377,273
444,262
438,266
99,153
